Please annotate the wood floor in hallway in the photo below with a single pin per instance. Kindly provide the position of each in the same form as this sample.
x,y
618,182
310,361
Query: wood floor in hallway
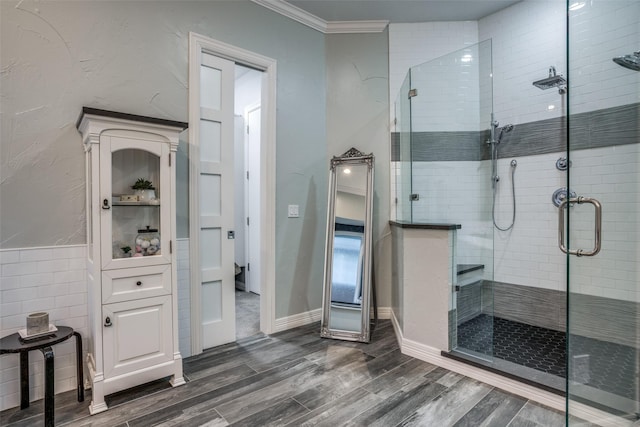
x,y
296,378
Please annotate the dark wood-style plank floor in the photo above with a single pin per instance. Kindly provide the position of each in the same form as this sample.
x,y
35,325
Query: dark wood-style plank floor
x,y
296,378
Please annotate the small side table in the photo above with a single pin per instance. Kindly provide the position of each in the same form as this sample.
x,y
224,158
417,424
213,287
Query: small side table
x,y
14,344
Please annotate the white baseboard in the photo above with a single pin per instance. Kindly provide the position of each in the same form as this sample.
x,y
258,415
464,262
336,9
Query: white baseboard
x,y
300,319
384,313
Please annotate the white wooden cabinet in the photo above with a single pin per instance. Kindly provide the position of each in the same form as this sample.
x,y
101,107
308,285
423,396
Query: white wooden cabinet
x,y
132,290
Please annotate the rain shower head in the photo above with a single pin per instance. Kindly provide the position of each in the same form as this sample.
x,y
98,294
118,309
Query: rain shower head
x,y
631,62
554,80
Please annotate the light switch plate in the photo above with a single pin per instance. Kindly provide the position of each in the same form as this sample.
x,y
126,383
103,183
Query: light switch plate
x,y
294,211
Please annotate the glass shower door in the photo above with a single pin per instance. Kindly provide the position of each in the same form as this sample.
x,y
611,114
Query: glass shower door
x,y
450,101
402,156
603,311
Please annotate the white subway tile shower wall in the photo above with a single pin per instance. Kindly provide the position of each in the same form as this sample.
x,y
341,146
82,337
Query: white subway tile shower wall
x,y
530,36
600,31
527,39
416,43
455,192
448,93
53,279
611,175
529,254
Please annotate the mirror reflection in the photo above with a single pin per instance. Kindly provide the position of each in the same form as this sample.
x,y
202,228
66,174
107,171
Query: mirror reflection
x,y
347,288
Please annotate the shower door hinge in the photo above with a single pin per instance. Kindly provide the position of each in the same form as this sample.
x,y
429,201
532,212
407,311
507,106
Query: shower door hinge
x,y
248,266
170,246
412,93
169,160
395,121
414,197
247,221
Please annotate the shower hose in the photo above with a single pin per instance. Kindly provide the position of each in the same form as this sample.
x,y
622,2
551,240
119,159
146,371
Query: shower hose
x,y
513,193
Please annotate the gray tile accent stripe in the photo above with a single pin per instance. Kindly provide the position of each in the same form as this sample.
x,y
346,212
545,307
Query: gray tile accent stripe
x,y
595,129
527,304
605,319
446,146
469,302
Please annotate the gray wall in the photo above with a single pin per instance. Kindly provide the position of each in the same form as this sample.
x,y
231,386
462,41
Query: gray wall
x,y
132,57
358,116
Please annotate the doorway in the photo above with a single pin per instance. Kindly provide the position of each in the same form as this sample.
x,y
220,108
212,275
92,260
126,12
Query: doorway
x,y
247,111
214,226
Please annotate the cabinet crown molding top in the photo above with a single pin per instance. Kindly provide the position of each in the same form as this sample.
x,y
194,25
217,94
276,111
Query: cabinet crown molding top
x,y
94,121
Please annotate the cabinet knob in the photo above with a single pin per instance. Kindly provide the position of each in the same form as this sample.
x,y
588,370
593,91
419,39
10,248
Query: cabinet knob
x,y
139,283
105,204
107,322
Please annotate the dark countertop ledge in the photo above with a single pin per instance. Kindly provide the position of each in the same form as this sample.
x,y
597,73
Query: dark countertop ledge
x,y
425,225
468,268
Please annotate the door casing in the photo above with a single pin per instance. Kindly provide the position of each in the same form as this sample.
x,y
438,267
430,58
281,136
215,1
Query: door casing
x,y
197,44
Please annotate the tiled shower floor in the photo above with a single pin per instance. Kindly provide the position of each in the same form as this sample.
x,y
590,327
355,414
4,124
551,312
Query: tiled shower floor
x,y
611,367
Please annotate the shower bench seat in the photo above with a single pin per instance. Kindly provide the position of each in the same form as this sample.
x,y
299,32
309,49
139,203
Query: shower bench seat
x,y
468,274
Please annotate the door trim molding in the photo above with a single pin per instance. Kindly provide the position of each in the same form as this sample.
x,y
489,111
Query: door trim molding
x,y
197,44
245,114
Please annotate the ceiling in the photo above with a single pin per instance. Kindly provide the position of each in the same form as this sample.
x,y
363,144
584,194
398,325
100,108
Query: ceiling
x,y
398,11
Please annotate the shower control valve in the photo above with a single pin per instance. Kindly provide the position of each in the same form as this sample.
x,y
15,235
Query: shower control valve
x,y
561,194
562,164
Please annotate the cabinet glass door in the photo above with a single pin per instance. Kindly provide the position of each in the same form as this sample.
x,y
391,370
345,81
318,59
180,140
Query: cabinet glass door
x,y
134,184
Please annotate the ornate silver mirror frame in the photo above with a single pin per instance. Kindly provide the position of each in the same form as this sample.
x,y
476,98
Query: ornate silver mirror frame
x,y
347,290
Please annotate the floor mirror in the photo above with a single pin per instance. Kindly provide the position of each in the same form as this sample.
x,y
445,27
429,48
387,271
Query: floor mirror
x,y
347,278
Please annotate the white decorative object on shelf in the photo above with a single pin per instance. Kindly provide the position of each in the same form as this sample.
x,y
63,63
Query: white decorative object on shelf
x,y
132,290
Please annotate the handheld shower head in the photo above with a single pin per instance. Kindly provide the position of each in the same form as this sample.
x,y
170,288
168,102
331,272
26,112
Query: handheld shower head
x,y
505,129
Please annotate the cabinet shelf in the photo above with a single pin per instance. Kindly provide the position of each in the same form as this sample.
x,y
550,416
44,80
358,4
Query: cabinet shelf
x,y
120,203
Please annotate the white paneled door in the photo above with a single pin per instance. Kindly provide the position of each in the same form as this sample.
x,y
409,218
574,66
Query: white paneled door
x,y
253,200
216,199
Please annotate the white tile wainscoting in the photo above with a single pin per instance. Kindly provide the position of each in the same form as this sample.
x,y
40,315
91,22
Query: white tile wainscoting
x,y
53,279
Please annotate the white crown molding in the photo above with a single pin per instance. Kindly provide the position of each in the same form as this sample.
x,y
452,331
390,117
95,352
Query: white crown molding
x,y
336,27
295,13
343,27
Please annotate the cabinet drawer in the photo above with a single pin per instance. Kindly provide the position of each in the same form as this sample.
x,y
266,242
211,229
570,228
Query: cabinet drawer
x,y
130,284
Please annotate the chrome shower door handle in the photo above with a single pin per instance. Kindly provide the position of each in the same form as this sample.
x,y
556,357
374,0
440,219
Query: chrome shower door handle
x,y
598,226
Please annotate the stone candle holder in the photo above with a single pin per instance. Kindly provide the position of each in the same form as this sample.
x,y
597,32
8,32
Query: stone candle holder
x,y
37,323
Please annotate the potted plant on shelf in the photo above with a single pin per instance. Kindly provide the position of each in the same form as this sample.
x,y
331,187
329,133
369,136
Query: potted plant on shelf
x,y
144,190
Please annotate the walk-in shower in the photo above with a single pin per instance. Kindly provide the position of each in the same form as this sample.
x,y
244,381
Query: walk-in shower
x,y
518,304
